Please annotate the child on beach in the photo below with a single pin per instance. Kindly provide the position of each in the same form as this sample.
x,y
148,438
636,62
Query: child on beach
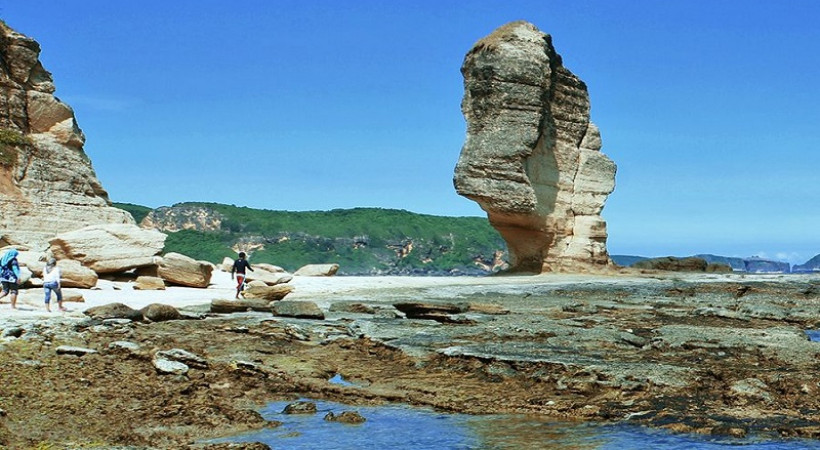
x,y
9,275
51,282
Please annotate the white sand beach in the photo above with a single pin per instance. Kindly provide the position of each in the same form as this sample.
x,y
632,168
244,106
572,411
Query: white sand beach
x,y
325,290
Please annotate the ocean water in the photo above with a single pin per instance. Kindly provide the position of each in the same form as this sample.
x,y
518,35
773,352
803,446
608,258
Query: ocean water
x,y
405,427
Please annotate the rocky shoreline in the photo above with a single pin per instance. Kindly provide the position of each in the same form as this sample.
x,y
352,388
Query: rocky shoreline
x,y
716,354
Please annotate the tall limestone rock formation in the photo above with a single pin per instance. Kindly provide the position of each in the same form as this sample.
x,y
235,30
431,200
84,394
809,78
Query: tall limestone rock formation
x,y
47,184
532,157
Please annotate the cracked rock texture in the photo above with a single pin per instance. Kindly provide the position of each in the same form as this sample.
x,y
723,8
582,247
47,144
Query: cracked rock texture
x,y
47,183
532,157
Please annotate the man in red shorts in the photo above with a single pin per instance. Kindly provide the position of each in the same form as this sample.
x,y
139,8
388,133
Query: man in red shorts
x,y
239,267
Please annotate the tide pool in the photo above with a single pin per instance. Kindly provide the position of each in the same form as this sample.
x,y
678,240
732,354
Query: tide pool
x,y
405,427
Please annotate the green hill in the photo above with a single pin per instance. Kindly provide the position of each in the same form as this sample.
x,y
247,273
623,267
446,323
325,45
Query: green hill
x,y
361,240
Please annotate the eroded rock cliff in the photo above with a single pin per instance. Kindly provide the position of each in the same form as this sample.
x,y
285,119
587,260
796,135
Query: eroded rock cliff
x,y
532,157
47,183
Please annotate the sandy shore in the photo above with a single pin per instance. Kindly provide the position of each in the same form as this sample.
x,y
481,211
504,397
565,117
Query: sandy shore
x,y
325,290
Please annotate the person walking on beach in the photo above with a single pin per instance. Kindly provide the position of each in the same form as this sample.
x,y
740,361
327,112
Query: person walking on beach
x,y
51,282
239,267
9,275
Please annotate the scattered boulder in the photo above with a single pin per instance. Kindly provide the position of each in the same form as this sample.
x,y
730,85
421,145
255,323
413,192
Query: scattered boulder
x,y
225,306
113,311
317,270
269,268
269,278
109,248
71,296
35,261
300,407
348,417
183,270
269,293
166,366
298,309
146,283
73,274
157,312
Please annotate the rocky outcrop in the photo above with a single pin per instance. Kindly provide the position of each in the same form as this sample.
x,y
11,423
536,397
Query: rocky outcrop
x,y
532,157
47,183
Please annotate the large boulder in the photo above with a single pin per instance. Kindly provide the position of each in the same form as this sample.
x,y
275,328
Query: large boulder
x,y
269,293
109,248
317,270
532,158
47,183
185,271
268,277
158,312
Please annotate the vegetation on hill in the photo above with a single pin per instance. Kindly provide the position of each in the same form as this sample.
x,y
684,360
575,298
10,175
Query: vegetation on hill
x,y
360,240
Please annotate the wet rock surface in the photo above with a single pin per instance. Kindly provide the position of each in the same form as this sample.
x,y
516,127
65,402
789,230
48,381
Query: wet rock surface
x,y
687,354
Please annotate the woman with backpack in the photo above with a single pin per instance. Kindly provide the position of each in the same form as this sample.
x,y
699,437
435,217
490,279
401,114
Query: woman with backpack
x,y
9,275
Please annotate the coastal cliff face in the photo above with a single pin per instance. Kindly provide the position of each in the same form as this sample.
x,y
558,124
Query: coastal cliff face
x,y
532,157
47,183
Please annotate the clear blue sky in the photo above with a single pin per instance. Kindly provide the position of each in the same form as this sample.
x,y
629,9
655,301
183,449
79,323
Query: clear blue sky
x,y
711,109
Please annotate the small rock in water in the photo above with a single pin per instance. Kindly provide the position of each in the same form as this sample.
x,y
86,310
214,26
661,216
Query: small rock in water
x,y
14,332
300,407
349,417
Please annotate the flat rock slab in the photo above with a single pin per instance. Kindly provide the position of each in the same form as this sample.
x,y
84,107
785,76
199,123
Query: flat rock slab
x,y
300,310
225,306
413,309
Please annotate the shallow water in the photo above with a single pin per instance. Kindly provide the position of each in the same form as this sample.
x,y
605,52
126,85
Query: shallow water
x,y
404,427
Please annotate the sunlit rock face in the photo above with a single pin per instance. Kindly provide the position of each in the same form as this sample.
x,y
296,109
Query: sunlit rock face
x,y
47,183
532,159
